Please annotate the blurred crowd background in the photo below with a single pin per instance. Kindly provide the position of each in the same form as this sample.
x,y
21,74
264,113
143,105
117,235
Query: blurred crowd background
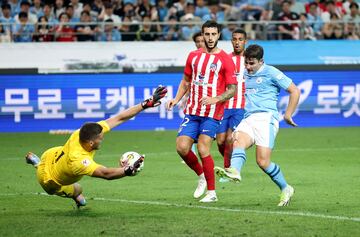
x,y
173,20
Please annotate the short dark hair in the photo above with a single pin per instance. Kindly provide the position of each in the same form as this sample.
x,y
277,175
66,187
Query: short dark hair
x,y
23,14
354,4
240,31
6,6
211,24
313,4
254,51
213,2
23,3
63,13
329,2
197,34
89,131
108,5
109,20
286,1
85,12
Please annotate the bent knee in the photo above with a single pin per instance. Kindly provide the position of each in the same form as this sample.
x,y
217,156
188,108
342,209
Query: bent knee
x,y
182,149
241,140
263,163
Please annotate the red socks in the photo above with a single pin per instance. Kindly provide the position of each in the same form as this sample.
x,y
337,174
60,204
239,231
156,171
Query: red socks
x,y
208,167
221,149
226,150
227,155
192,161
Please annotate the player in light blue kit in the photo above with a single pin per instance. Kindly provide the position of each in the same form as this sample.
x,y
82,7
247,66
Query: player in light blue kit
x,y
261,120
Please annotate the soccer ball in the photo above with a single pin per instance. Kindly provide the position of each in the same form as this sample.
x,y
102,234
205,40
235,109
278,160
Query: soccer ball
x,y
129,158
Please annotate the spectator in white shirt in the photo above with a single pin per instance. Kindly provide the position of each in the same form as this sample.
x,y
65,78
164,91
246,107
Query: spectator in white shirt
x,y
78,7
108,13
25,7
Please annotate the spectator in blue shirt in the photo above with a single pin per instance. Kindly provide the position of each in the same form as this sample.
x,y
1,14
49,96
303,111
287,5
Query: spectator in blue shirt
x,y
50,16
201,9
190,28
73,20
7,20
226,32
171,31
36,8
162,9
314,18
110,32
215,14
15,7
23,30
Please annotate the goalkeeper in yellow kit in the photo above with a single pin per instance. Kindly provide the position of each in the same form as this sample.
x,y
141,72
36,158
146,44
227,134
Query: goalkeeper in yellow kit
x,y
61,167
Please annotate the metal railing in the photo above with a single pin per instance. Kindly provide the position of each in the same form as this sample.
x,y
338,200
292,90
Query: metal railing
x,y
261,30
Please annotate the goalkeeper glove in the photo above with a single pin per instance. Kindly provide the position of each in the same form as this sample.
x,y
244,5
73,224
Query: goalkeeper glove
x,y
132,170
154,101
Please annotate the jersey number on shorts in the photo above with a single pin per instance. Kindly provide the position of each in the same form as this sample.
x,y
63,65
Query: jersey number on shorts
x,y
185,122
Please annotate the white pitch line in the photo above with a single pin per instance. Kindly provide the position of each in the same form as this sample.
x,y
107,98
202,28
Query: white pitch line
x,y
211,208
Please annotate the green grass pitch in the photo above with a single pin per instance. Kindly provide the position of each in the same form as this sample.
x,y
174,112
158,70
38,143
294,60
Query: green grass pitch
x,y
323,164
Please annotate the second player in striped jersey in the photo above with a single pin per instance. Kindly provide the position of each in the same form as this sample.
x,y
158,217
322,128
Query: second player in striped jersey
x,y
234,108
209,73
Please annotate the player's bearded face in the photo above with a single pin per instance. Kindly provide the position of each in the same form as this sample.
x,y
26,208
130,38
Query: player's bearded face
x,y
211,36
211,45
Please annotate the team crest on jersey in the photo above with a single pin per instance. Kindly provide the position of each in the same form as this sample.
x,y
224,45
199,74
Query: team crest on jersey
x,y
201,77
279,77
213,67
259,80
86,162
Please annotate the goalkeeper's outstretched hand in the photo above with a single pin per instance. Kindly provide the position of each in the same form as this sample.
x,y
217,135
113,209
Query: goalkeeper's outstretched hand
x,y
132,170
154,101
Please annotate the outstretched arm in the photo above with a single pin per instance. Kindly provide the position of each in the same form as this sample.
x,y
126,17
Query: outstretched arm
x,y
293,102
230,92
109,173
123,116
127,114
117,173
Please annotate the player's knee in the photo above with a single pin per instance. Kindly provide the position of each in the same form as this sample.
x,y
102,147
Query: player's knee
x,y
229,139
220,140
203,150
237,143
263,163
182,148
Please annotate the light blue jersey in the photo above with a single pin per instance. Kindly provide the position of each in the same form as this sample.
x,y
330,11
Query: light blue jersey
x,y
262,90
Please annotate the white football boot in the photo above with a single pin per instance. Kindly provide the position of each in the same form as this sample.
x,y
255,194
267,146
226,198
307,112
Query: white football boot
x,y
32,159
201,187
209,197
286,195
228,173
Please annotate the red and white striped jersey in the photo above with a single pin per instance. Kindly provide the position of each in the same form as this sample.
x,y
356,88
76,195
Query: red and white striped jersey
x,y
209,75
238,101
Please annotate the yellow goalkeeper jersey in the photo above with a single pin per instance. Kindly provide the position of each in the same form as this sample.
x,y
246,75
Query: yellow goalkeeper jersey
x,y
69,163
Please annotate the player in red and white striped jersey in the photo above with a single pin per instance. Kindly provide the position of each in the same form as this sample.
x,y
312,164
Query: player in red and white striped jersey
x,y
234,108
209,73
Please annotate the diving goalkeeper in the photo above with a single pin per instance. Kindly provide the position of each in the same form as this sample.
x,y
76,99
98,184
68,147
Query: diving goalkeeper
x,y
60,168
